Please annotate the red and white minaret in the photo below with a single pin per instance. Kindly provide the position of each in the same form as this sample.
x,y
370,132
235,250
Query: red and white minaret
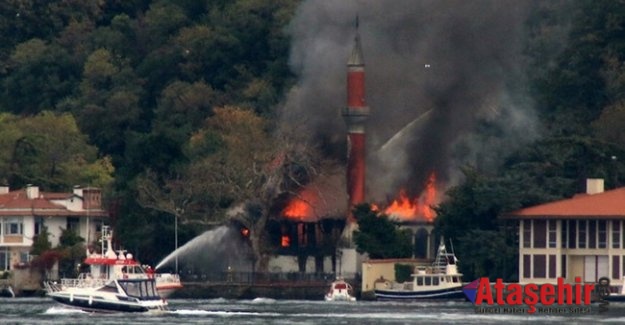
x,y
355,115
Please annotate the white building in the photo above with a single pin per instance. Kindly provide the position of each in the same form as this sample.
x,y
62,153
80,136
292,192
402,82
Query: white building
x,y
24,212
577,237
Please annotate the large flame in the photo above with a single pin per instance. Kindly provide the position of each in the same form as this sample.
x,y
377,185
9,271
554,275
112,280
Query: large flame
x,y
297,209
406,209
301,207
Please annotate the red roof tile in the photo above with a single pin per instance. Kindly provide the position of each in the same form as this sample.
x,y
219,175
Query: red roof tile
x,y
17,203
605,205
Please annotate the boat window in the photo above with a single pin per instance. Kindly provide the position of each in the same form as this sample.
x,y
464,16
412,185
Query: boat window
x,y
109,287
435,281
455,279
428,281
151,291
419,280
132,288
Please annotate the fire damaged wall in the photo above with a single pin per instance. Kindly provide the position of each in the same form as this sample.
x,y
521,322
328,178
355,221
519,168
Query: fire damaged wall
x,y
436,72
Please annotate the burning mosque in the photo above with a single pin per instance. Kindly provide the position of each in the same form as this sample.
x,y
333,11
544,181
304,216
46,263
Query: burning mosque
x,y
316,234
437,72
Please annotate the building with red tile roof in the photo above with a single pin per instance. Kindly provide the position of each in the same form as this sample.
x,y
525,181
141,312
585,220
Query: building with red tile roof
x,y
24,213
577,237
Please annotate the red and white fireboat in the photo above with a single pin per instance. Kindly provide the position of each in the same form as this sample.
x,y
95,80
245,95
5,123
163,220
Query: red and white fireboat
x,y
111,265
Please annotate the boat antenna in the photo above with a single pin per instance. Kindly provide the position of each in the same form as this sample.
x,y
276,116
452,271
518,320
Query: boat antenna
x,y
451,244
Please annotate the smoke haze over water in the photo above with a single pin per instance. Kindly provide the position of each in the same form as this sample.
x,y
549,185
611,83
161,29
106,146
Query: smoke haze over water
x,y
473,49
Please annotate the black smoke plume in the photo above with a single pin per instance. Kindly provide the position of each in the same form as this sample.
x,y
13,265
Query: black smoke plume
x,y
436,71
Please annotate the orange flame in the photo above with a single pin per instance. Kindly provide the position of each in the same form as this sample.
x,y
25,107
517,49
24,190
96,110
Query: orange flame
x,y
297,209
302,206
285,241
406,209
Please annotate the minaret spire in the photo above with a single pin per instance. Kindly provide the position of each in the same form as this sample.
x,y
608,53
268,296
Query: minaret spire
x,y
355,115
356,58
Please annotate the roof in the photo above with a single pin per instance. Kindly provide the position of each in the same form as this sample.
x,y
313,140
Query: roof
x,y
604,205
17,203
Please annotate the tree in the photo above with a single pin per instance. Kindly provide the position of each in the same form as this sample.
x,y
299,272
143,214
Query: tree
x,y
72,249
235,162
49,150
41,76
378,236
41,243
44,256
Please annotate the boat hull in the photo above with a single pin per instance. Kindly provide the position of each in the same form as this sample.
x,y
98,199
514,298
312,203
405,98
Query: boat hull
x,y
447,293
615,298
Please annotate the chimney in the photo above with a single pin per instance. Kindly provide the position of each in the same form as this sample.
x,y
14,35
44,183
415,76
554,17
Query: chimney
x,y
594,185
355,115
4,189
92,198
77,190
32,192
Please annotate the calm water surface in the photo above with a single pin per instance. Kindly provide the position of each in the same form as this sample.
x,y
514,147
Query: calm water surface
x,y
269,311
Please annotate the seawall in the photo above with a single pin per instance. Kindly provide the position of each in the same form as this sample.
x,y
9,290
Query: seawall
x,y
282,290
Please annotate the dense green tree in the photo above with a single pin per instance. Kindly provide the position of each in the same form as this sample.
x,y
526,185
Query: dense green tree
x,y
41,243
40,75
49,150
380,237
72,249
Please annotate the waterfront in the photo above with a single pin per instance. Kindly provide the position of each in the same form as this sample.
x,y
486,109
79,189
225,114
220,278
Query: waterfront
x,y
270,311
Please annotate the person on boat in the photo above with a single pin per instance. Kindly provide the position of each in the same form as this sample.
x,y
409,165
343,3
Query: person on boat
x,y
150,271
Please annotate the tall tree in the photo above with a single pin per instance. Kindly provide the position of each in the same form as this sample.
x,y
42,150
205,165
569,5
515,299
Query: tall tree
x,y
378,236
49,150
236,162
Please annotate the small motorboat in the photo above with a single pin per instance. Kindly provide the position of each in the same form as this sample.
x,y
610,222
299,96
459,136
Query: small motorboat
x,y
340,291
118,295
6,291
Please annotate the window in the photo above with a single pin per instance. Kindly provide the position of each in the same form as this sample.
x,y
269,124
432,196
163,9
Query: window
x,y
435,281
527,266
72,224
527,233
24,257
13,226
572,234
540,265
540,233
38,225
552,266
602,234
4,259
552,233
592,234
581,232
419,280
565,231
428,281
616,233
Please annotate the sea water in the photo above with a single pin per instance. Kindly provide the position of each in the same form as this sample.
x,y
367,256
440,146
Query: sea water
x,y
270,311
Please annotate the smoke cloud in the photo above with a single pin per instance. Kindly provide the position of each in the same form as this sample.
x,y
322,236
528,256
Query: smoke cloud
x,y
437,72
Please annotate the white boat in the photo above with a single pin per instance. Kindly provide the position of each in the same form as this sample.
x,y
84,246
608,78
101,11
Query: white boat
x,y
618,296
340,291
440,281
6,291
118,295
111,266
